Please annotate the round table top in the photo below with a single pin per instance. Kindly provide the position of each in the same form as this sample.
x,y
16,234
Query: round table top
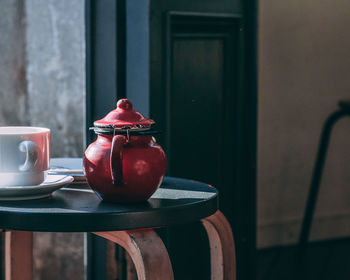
x,y
73,209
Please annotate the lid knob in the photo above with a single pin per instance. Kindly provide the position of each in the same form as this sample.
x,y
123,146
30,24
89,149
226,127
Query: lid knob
x,y
124,104
124,115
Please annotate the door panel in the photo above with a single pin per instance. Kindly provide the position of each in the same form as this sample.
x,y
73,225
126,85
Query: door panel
x,y
195,119
203,98
201,80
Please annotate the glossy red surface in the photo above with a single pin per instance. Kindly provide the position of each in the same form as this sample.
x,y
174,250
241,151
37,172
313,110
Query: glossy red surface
x,y
124,169
116,159
143,167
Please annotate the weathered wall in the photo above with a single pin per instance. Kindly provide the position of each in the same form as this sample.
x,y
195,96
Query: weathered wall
x,y
303,72
55,51
58,256
12,64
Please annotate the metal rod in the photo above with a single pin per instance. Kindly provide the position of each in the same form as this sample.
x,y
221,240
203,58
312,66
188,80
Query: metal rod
x,y
317,175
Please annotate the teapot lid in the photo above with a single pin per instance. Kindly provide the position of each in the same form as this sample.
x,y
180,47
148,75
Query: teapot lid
x,y
124,116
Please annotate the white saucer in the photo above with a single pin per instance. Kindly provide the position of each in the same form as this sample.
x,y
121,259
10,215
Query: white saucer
x,y
45,189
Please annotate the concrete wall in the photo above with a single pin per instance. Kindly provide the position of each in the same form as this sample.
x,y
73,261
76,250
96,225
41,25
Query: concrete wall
x,y
304,69
12,64
55,52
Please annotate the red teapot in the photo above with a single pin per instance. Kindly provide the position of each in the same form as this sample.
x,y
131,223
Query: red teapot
x,y
124,164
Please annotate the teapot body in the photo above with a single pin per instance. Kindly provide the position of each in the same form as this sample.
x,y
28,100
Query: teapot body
x,y
143,164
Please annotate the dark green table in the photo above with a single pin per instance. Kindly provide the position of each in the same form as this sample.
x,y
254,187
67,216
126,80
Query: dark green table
x,y
72,209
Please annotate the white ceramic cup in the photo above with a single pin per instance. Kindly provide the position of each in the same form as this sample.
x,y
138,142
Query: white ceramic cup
x,y
24,155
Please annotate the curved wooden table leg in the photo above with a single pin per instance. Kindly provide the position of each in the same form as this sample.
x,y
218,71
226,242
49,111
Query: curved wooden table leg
x,y
222,247
147,251
18,255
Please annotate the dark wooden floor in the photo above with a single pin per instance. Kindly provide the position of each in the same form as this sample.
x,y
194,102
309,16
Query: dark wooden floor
x,y
325,260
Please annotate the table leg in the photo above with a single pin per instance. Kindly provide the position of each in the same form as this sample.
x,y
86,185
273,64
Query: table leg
x,y
18,255
222,248
147,251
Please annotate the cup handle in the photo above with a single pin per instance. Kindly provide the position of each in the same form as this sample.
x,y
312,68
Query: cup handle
x,y
116,159
32,155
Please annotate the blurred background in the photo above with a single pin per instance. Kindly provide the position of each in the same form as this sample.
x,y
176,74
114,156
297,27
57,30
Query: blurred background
x,y
303,71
